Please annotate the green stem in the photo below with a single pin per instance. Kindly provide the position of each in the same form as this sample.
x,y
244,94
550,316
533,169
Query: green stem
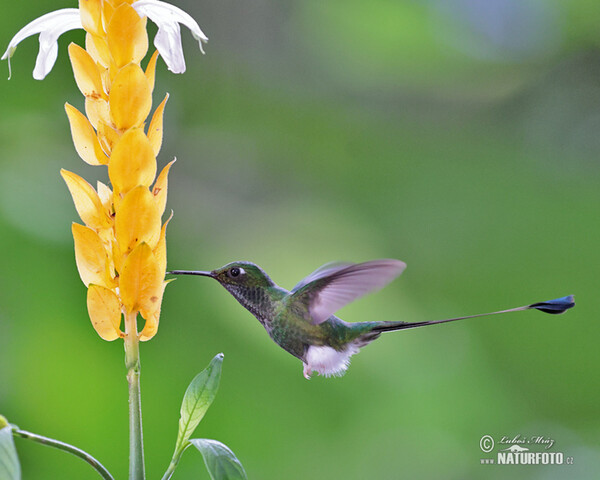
x,y
175,461
169,473
50,442
132,362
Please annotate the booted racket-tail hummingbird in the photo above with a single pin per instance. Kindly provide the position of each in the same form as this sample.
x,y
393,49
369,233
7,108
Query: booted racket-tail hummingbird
x,y
302,320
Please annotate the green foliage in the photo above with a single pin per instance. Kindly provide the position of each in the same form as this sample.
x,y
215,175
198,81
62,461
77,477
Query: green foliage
x,y
51,442
220,461
10,469
199,395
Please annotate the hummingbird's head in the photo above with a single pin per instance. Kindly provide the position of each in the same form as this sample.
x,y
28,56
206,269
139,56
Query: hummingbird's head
x,y
241,274
234,274
249,285
247,282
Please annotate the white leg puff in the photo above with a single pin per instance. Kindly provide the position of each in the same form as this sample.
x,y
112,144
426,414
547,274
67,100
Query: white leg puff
x,y
328,361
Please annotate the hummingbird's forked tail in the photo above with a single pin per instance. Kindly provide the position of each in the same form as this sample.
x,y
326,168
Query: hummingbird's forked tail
x,y
558,305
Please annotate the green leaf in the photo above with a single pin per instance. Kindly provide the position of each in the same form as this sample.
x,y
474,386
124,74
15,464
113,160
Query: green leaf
x,y
198,397
220,461
10,469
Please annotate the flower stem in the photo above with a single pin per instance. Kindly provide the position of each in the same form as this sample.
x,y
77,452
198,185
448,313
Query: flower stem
x,y
175,461
50,442
132,362
169,473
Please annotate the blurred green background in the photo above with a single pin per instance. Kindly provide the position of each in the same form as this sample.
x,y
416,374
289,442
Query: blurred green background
x,y
459,136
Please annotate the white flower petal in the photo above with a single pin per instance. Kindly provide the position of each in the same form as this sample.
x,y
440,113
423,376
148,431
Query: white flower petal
x,y
50,27
168,39
46,57
168,43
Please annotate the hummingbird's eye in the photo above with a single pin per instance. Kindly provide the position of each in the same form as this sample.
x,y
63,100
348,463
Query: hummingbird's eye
x,y
235,272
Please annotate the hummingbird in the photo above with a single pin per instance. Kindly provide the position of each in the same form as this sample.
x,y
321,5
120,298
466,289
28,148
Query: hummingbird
x,y
302,320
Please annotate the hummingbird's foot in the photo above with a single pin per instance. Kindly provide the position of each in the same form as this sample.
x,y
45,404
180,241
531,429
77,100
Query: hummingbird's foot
x,y
307,372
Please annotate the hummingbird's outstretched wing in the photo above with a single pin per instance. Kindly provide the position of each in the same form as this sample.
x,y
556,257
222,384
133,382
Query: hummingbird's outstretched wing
x,y
333,286
322,271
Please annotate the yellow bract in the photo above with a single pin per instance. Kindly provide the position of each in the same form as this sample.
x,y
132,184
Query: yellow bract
x,y
91,16
104,308
126,36
120,252
91,257
151,69
86,72
107,136
137,220
160,188
84,137
87,202
152,316
160,251
141,281
106,197
130,97
98,49
155,130
132,162
96,110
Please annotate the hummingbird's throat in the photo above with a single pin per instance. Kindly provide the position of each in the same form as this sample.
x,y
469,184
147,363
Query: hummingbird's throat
x,y
255,300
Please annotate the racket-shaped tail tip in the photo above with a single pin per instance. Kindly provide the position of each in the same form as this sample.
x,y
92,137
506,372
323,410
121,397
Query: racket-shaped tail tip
x,y
558,305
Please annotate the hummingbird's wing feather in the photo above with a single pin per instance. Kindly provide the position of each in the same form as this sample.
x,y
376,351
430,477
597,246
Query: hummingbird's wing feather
x,y
323,271
331,287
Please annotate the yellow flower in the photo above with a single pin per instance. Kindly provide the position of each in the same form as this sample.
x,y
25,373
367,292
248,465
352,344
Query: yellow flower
x,y
120,249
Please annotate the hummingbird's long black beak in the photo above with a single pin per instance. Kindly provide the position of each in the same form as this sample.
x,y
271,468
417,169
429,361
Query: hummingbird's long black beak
x,y
191,272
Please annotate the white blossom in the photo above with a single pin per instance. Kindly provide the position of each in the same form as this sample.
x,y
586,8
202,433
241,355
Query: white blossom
x,y
168,38
50,27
